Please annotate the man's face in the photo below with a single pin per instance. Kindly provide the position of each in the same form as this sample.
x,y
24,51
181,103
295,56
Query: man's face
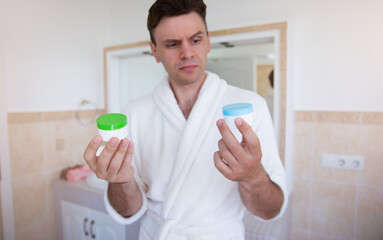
x,y
182,45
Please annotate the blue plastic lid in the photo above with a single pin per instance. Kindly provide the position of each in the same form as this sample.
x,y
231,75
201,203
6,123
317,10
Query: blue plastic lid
x,y
237,109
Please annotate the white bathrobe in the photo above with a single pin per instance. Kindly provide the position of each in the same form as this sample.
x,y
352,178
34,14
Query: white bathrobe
x,y
184,195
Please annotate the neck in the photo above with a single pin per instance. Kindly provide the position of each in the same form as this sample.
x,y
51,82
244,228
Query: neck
x,y
186,95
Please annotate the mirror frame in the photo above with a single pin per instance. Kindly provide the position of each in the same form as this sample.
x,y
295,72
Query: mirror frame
x,y
280,27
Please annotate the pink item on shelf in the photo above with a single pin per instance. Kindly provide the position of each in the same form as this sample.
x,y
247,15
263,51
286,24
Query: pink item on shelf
x,y
78,173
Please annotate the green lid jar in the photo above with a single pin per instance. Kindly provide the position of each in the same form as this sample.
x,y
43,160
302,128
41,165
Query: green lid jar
x,y
112,125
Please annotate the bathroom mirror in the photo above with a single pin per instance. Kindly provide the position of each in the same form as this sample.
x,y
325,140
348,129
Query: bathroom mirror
x,y
243,57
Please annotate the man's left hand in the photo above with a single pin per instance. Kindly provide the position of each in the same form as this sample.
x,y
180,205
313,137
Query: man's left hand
x,y
238,161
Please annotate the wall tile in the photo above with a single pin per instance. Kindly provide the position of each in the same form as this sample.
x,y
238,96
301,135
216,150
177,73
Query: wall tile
x,y
372,150
49,177
26,148
301,203
334,193
30,200
36,230
372,118
305,116
55,132
333,209
41,144
370,213
334,138
303,150
339,117
57,116
298,234
321,236
27,117
81,137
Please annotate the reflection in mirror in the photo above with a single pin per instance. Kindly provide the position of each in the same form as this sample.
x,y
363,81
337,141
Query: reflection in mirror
x,y
246,65
139,75
244,57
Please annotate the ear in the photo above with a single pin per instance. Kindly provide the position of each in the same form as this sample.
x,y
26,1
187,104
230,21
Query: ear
x,y
208,40
154,51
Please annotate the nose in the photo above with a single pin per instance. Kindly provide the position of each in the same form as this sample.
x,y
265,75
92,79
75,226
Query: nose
x,y
186,51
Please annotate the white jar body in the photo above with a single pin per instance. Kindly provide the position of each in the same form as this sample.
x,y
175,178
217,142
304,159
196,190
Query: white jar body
x,y
230,121
108,134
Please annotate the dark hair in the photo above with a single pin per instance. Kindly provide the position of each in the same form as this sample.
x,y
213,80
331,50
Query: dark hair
x,y
271,78
172,8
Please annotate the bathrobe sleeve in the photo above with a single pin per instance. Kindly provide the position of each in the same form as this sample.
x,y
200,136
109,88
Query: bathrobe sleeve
x,y
271,162
142,187
123,220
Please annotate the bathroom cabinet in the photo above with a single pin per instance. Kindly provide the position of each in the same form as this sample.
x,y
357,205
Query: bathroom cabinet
x,y
84,223
80,214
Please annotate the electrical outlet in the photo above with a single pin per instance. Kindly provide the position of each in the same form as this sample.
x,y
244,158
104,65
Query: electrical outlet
x,y
342,161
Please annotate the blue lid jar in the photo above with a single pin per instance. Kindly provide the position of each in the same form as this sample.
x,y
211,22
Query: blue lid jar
x,y
237,109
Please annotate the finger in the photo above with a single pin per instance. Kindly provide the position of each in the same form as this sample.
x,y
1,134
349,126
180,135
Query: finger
x,y
106,156
118,157
126,164
229,139
222,166
248,135
226,154
90,152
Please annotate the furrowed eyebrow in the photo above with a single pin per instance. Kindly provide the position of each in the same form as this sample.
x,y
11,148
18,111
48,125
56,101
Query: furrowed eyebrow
x,y
176,40
197,33
171,41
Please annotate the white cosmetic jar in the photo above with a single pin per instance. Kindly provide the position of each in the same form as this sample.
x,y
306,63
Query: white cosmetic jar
x,y
235,110
112,125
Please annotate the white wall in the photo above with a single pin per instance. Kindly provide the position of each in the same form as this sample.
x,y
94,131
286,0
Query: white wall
x,y
53,52
338,55
6,204
53,49
335,55
129,21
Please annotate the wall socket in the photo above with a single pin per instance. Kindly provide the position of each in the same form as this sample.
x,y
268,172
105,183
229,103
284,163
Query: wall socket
x,y
342,161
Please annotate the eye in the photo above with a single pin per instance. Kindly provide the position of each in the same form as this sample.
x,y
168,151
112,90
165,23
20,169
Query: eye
x,y
171,45
197,40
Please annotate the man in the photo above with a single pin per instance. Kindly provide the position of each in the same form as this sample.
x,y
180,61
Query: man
x,y
269,96
173,176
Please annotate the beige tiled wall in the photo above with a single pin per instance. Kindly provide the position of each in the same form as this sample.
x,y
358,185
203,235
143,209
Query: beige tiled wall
x,y
327,203
41,144
334,203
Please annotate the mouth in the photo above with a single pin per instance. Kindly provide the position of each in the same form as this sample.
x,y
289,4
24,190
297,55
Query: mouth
x,y
188,67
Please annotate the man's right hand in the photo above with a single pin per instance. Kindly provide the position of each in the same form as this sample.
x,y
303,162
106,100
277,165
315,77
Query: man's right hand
x,y
114,162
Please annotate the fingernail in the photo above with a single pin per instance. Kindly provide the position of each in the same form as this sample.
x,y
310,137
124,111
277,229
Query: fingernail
x,y
97,139
113,142
124,142
238,121
219,123
131,145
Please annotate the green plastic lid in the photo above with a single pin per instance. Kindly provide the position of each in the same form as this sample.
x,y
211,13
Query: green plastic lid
x,y
111,121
